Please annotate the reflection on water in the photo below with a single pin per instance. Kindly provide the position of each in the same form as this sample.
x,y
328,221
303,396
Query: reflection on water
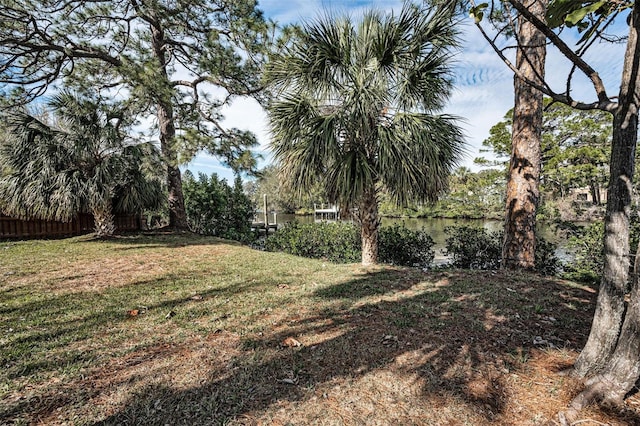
x,y
436,229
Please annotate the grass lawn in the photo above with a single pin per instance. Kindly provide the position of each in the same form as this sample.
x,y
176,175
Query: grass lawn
x,y
181,329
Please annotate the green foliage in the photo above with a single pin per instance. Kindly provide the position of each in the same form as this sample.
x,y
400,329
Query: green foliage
x,y
183,61
590,17
355,105
547,263
142,48
77,159
586,243
402,246
340,242
473,248
215,208
281,197
477,248
355,108
336,241
471,195
575,148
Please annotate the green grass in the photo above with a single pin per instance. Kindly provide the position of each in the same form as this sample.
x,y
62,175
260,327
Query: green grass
x,y
182,329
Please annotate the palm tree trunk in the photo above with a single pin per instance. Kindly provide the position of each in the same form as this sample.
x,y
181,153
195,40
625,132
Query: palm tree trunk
x,y
524,170
103,219
370,223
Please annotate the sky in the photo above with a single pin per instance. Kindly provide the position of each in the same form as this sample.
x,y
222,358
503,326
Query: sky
x,y
483,90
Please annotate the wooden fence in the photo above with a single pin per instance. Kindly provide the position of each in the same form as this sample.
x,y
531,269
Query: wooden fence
x,y
82,224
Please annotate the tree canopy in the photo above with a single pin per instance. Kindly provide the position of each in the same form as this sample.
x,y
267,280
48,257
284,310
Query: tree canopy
x,y
356,108
78,160
576,146
178,61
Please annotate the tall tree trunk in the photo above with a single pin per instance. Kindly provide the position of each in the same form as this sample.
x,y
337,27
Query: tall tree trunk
x,y
370,223
610,307
621,373
518,251
177,212
103,220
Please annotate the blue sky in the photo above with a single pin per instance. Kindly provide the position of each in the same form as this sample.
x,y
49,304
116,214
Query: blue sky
x,y
483,84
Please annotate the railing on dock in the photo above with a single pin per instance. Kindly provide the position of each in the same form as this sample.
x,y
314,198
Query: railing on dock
x,y
325,213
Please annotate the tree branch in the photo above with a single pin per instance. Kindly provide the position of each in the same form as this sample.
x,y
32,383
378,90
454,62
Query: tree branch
x,y
598,85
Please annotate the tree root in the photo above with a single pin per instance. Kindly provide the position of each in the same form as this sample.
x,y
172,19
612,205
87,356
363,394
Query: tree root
x,y
599,389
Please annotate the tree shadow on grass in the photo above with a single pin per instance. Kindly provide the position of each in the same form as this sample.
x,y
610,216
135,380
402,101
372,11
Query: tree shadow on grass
x,y
459,338
392,346
133,241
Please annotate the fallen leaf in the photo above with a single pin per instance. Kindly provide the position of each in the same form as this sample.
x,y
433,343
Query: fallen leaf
x,y
290,342
133,312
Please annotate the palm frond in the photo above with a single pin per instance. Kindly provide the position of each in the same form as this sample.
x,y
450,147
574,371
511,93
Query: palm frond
x,y
356,104
71,165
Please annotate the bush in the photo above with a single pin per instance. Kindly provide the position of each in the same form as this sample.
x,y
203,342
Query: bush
x,y
336,242
476,248
547,263
215,208
587,244
341,242
401,246
473,248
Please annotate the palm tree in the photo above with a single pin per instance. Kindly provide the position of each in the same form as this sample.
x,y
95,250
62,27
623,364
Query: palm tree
x,y
355,108
80,162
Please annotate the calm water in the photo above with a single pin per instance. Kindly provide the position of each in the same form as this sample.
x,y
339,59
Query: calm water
x,y
435,228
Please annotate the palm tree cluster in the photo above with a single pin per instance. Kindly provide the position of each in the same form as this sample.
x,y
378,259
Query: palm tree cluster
x,y
79,161
356,108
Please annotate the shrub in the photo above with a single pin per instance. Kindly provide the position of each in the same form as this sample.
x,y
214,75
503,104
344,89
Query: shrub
x,y
587,244
336,242
341,242
547,263
215,208
477,248
473,248
401,246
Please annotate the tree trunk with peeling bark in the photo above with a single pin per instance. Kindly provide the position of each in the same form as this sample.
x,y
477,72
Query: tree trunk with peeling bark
x,y
166,124
611,356
370,223
524,169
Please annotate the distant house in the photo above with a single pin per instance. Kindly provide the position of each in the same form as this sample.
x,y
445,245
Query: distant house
x,y
586,195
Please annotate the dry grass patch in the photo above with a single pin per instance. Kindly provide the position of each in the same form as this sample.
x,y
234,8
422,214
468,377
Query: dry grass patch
x,y
180,329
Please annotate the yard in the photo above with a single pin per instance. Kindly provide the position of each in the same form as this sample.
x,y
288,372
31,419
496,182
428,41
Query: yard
x,y
181,329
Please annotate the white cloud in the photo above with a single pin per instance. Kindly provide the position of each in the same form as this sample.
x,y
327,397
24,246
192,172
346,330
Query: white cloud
x,y
483,84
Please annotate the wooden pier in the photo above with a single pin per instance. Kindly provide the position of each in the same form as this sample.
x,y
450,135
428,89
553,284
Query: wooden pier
x,y
330,213
264,225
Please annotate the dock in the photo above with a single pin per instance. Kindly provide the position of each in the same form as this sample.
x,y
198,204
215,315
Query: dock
x,y
264,225
328,213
